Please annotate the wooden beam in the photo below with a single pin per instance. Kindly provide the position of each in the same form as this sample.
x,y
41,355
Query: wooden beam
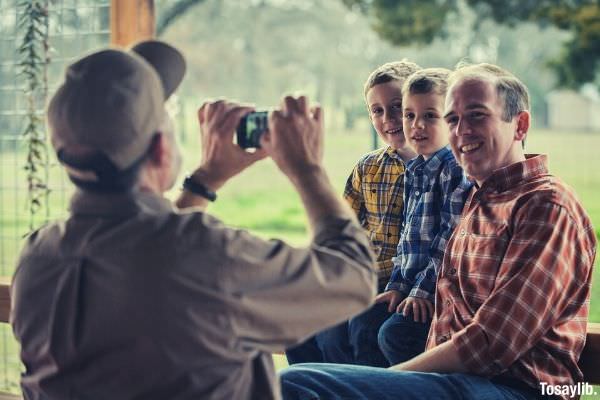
x,y
4,298
131,21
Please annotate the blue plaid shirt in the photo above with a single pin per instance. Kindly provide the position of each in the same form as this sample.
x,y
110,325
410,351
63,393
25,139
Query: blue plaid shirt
x,y
435,191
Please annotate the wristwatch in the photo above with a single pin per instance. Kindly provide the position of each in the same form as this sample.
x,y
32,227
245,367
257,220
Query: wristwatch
x,y
198,188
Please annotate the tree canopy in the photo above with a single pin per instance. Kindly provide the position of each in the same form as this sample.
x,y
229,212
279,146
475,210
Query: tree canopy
x,y
255,50
421,21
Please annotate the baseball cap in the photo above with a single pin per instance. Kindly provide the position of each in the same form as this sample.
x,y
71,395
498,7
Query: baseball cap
x,y
113,101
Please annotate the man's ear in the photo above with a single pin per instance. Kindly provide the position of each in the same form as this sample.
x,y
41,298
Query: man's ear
x,y
159,150
523,122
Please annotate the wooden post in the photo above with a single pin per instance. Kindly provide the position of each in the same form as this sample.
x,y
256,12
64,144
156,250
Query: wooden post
x,y
131,21
4,298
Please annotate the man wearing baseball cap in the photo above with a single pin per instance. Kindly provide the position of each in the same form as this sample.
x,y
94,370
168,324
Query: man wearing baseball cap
x,y
132,297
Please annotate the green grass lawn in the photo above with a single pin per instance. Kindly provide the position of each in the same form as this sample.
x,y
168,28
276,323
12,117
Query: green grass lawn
x,y
261,200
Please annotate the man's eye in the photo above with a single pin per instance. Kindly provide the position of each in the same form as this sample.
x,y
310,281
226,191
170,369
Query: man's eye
x,y
452,120
397,106
409,115
376,111
477,115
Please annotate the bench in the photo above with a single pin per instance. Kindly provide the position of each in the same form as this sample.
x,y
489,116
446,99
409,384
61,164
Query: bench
x,y
589,361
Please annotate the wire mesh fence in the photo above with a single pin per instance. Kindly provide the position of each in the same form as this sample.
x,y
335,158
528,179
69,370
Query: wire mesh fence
x,y
74,27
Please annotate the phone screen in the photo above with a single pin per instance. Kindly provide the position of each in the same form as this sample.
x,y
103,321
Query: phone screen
x,y
251,128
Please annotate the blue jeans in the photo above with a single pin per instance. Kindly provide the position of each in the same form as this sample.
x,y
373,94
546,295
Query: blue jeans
x,y
335,381
351,342
401,338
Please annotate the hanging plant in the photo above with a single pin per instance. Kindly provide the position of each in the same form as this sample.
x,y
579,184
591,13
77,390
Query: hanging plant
x,y
33,62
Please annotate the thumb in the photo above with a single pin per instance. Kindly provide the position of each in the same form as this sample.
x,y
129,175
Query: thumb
x,y
317,113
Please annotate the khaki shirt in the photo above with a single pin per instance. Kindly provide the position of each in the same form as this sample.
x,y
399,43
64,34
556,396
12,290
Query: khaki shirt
x,y
130,298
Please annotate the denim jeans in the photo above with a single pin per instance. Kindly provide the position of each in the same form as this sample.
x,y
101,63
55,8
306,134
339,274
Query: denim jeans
x,y
335,381
401,338
351,342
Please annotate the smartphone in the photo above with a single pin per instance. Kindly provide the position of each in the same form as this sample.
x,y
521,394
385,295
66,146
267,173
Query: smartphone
x,y
251,128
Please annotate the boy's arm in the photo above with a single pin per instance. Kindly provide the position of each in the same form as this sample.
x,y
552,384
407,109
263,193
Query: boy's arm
x,y
455,188
396,281
353,195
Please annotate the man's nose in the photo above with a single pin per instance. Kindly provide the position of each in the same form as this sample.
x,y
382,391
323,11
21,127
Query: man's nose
x,y
463,127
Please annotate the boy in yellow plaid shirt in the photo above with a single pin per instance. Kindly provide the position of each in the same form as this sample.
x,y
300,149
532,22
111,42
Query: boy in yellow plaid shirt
x,y
374,190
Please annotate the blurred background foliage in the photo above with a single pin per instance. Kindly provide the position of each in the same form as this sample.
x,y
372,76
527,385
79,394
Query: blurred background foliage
x,y
254,50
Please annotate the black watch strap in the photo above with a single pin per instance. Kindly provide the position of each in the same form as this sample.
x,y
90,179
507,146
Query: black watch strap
x,y
198,188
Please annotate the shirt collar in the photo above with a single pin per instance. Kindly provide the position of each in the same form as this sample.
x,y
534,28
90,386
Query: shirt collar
x,y
432,164
389,152
121,204
508,177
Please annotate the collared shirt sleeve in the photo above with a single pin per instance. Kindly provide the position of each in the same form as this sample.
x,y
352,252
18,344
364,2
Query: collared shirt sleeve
x,y
374,191
396,282
544,276
455,188
280,294
353,195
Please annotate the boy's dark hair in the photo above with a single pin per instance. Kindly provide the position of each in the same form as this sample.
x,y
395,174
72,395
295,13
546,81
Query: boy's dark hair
x,y
428,80
391,71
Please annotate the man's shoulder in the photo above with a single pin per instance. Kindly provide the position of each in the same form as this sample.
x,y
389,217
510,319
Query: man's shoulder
x,y
46,235
546,189
172,228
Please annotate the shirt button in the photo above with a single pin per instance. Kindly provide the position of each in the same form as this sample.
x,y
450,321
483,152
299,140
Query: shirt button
x,y
373,190
463,232
389,235
448,303
452,271
417,193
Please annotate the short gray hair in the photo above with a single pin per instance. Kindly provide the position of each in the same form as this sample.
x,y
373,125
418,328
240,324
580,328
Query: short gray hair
x,y
510,89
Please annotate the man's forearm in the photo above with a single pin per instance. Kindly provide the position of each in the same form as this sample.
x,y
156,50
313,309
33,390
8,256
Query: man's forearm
x,y
441,359
187,199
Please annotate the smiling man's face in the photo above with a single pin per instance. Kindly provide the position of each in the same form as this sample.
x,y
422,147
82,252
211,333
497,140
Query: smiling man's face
x,y
481,140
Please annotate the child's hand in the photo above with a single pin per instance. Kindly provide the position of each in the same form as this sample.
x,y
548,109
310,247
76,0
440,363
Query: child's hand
x,y
391,296
421,309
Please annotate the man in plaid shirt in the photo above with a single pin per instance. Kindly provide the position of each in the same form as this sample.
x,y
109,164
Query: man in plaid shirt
x,y
513,288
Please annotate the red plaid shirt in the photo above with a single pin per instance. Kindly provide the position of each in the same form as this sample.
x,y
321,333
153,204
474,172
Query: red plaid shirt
x,y
513,290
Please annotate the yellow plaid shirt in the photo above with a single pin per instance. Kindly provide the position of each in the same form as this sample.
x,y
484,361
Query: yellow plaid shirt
x,y
374,190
